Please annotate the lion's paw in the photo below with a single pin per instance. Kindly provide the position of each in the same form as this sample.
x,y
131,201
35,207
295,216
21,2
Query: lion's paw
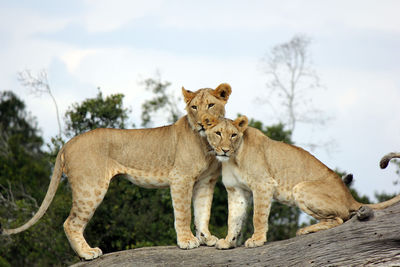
x,y
224,244
90,253
188,242
302,231
254,242
209,240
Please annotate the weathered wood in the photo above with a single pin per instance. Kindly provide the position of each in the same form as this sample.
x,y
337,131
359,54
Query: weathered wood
x,y
371,242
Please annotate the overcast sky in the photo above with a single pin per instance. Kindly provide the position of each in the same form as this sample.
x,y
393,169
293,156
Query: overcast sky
x,y
116,44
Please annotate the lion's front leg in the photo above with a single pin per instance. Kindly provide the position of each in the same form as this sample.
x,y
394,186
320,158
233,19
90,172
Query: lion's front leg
x,y
202,199
238,200
262,198
181,193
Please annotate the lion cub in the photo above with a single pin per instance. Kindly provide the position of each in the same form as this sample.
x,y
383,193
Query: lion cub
x,y
175,156
253,164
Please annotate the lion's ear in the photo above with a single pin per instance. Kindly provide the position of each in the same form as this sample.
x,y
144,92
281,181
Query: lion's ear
x,y
187,95
209,121
241,123
223,91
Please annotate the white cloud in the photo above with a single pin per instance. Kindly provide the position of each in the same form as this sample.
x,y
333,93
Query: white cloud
x,y
74,57
20,23
21,47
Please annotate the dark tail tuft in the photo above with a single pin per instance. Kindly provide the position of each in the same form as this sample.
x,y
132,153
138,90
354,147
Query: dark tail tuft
x,y
385,160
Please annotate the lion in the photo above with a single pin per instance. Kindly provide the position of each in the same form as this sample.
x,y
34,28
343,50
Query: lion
x,y
253,164
175,156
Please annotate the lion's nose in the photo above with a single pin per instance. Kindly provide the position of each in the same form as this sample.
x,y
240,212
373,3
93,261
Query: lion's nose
x,y
225,150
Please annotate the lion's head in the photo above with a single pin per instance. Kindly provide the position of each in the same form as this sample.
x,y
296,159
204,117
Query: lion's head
x,y
224,135
205,101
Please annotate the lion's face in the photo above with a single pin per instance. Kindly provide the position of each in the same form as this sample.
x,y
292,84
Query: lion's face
x,y
205,102
224,135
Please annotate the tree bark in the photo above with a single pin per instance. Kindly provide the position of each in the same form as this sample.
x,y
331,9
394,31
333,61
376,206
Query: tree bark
x,y
374,241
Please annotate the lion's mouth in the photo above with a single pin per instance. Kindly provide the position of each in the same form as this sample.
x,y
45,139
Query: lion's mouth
x,y
223,157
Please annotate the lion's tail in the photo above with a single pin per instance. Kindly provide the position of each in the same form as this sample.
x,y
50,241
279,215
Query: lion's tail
x,y
55,181
385,160
384,204
384,163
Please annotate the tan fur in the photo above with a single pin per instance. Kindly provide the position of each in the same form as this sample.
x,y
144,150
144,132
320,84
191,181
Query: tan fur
x,y
254,164
175,156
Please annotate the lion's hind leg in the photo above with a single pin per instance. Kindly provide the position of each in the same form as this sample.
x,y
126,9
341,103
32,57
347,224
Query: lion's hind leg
x,y
320,200
322,225
85,201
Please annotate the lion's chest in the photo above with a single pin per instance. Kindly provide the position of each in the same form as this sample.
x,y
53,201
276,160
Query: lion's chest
x,y
232,176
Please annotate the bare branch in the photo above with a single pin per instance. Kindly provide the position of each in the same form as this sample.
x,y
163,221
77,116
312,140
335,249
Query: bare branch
x,y
8,200
290,77
39,85
163,100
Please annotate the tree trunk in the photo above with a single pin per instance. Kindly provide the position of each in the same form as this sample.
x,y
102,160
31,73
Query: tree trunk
x,y
374,241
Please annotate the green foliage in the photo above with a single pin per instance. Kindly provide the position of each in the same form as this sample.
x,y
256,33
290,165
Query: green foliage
x,y
24,178
396,162
276,132
384,196
162,101
132,217
95,113
283,221
219,211
21,158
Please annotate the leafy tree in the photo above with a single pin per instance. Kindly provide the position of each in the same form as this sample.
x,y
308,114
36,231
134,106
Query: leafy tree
x,y
162,101
95,113
384,196
24,178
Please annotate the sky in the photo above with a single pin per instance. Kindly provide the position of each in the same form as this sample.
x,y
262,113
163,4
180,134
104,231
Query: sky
x,y
115,45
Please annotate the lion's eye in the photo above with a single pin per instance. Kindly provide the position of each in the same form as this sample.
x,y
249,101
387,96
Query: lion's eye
x,y
210,105
194,107
234,135
218,133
